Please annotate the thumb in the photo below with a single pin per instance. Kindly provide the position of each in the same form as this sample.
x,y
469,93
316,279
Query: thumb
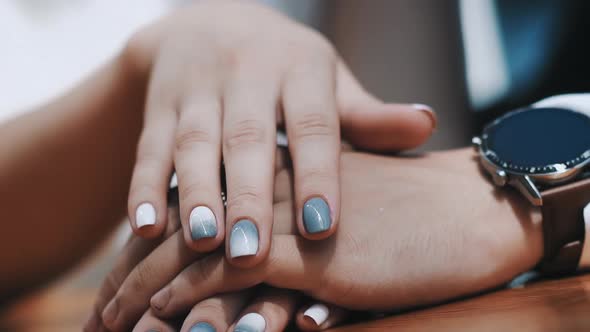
x,y
368,123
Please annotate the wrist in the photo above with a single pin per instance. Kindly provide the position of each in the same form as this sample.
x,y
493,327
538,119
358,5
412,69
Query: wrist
x,y
517,224
528,232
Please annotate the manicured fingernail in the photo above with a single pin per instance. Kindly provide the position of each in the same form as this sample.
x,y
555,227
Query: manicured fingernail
x,y
202,327
316,216
109,315
429,111
145,215
202,223
243,239
251,322
318,312
161,299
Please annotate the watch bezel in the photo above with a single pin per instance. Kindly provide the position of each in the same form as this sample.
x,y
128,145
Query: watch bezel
x,y
545,174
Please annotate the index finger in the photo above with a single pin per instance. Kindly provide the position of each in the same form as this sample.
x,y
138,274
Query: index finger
x,y
132,298
135,250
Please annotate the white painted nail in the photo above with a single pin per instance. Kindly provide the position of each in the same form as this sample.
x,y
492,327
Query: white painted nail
x,y
318,312
587,214
145,215
251,322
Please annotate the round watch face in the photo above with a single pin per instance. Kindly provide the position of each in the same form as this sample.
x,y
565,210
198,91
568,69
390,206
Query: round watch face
x,y
538,140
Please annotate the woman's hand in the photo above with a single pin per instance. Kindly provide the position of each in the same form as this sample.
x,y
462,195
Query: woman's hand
x,y
222,76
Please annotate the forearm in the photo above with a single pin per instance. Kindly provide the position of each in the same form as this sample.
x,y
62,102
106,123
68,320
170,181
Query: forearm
x,y
64,174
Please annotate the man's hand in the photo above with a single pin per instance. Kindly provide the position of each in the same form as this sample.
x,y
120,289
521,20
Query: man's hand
x,y
414,231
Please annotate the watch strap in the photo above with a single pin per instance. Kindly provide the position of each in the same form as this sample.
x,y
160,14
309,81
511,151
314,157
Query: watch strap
x,y
563,226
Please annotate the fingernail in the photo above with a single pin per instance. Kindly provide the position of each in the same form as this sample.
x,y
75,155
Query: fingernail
x,y
318,312
243,239
202,327
145,215
161,299
109,315
202,223
251,322
316,216
429,111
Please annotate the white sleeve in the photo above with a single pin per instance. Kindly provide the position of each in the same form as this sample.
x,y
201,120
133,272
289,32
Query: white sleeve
x,y
579,102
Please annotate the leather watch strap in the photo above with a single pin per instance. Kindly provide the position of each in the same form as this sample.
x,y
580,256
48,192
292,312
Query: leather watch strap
x,y
563,226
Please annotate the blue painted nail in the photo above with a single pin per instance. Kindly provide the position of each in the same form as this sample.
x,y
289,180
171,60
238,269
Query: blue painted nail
x,y
202,223
243,239
316,216
202,327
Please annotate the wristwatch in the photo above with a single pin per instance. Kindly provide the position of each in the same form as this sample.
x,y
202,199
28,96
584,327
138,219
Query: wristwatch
x,y
544,152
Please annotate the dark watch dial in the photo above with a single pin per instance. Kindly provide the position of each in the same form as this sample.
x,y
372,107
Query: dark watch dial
x,y
538,140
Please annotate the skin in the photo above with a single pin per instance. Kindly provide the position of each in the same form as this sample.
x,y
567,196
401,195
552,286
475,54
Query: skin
x,y
68,166
224,75
276,306
415,241
68,163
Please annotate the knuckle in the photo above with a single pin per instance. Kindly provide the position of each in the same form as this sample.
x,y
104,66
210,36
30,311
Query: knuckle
x,y
147,173
244,133
187,139
140,278
323,49
194,190
316,176
139,191
244,197
314,47
147,160
210,306
313,125
200,270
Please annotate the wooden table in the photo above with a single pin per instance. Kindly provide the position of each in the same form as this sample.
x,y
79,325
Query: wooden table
x,y
560,305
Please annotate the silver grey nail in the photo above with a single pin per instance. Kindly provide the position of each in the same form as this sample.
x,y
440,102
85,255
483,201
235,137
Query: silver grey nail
x,y
202,327
202,223
316,215
243,239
